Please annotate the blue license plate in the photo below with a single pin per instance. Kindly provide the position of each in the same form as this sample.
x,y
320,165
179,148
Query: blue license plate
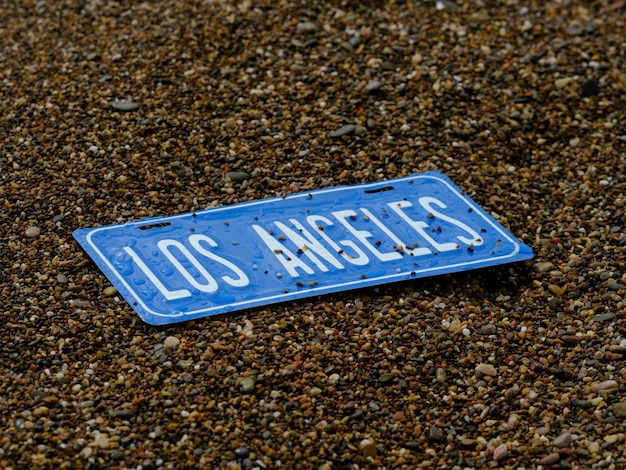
x,y
193,265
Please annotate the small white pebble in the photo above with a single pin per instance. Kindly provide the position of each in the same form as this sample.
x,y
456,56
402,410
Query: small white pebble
x,y
32,232
171,342
466,332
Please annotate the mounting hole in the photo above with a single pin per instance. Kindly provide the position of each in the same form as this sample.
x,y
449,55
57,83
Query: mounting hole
x,y
379,190
151,226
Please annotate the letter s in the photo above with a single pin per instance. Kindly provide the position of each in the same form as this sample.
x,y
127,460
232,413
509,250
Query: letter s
x,y
243,279
426,202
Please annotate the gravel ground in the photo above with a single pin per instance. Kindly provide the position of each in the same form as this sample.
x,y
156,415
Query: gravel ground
x,y
118,110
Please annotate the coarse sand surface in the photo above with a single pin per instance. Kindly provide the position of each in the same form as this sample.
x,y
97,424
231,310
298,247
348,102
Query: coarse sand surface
x,y
113,111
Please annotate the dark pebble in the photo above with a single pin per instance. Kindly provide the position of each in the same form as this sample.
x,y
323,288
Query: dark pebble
x,y
348,129
604,317
117,455
38,394
237,176
614,286
590,88
242,452
435,434
388,377
488,330
411,445
123,413
554,302
357,415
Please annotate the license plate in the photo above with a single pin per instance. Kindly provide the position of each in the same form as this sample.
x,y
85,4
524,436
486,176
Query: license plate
x,y
193,265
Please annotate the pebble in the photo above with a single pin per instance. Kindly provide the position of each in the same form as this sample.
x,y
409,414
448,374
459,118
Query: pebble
x,y
33,232
372,86
333,379
435,433
589,88
500,452
122,413
348,129
544,266
607,385
101,440
619,409
488,330
248,384
564,440
387,377
242,452
109,291
368,448
124,105
604,317
360,130
307,27
237,176
550,459
171,342
563,82
487,369
614,286
613,438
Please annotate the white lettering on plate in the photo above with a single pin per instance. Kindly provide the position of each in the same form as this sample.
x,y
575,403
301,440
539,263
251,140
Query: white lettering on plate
x,y
426,202
168,294
309,245
363,235
211,283
360,259
419,226
242,279
287,258
196,242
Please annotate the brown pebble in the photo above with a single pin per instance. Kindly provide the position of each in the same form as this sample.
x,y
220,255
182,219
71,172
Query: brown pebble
x,y
619,409
487,369
550,459
500,452
368,448
563,440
